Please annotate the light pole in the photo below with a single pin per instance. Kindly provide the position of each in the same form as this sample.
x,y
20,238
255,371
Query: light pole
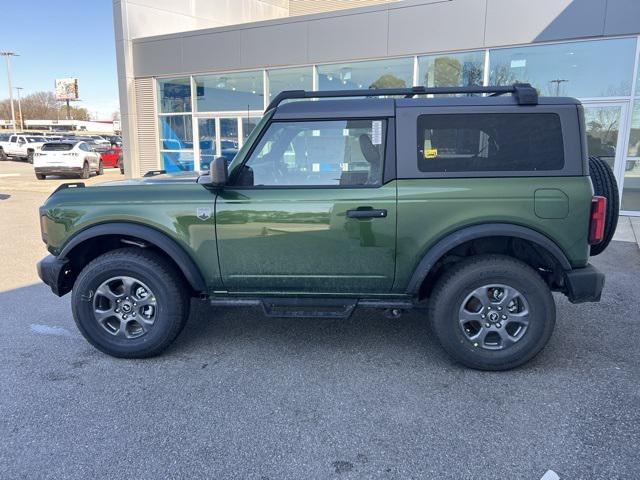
x,y
20,108
7,56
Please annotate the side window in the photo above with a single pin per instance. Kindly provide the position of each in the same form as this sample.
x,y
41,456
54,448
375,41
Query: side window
x,y
320,153
490,142
83,147
13,139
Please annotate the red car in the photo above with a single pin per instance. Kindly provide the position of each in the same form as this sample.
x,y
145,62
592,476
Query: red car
x,y
112,158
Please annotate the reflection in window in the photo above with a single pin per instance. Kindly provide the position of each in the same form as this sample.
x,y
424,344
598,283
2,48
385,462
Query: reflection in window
x,y
229,137
631,190
207,132
601,68
343,152
230,92
602,128
177,161
290,79
490,142
174,95
176,132
454,70
389,73
248,124
634,137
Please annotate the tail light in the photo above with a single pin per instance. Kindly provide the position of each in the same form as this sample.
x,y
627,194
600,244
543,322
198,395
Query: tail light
x,y
598,218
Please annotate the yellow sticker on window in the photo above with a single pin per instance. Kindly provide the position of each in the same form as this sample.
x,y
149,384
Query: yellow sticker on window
x,y
431,153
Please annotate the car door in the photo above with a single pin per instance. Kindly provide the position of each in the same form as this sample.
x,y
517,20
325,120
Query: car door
x,y
13,145
309,211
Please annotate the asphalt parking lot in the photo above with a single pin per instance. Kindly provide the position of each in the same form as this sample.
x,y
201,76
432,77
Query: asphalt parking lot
x,y
243,397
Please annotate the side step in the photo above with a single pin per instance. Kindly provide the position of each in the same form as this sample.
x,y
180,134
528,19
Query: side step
x,y
301,307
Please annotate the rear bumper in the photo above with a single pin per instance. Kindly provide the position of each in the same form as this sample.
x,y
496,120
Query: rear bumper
x,y
584,284
55,273
58,170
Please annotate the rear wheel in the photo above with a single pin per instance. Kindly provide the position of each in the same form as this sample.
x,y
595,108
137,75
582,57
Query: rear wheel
x,y
3,156
605,185
41,176
100,169
492,312
86,172
121,165
130,303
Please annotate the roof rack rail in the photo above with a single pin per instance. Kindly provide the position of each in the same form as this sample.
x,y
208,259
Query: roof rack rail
x,y
524,93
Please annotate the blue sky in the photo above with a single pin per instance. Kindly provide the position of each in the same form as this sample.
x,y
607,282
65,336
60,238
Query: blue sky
x,y
62,38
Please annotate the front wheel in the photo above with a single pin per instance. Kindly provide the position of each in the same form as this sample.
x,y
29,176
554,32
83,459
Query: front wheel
x,y
30,156
492,312
130,303
100,169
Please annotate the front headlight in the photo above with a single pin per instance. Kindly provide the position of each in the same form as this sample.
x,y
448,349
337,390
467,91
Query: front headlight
x,y
43,228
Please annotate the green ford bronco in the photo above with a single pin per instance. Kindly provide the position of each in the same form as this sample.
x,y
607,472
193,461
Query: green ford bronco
x,y
475,207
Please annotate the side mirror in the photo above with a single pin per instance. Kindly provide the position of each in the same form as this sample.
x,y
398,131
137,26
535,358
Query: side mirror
x,y
219,172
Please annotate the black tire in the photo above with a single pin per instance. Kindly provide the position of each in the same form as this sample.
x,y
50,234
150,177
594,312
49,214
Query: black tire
x,y
3,156
164,281
100,169
605,185
30,156
86,171
454,288
121,165
41,176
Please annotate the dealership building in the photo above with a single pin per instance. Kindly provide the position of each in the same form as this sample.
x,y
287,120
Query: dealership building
x,y
196,75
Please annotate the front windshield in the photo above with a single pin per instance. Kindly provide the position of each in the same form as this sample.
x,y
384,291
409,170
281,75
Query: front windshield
x,y
246,146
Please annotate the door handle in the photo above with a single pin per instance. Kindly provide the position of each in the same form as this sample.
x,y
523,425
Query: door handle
x,y
367,213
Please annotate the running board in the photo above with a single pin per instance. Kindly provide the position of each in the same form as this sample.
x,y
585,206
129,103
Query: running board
x,y
300,307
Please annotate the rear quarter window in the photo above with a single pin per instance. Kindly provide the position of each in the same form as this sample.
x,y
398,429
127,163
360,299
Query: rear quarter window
x,y
490,142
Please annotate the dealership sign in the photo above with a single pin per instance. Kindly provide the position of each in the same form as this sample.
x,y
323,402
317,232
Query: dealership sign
x,y
67,89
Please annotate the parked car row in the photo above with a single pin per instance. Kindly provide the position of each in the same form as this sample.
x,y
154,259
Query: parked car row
x,y
66,155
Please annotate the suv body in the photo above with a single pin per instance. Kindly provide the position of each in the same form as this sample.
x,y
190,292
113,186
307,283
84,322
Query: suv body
x,y
21,146
67,159
375,202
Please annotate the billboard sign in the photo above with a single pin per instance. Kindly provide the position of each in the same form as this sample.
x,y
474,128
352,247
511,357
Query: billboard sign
x,y
67,89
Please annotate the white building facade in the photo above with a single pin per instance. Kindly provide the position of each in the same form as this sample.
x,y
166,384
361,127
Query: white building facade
x,y
192,86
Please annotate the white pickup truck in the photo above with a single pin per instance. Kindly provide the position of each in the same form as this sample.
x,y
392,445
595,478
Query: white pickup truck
x,y
21,147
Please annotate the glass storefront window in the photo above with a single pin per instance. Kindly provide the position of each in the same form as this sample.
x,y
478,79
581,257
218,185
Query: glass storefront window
x,y
290,79
634,136
601,68
602,129
631,190
229,137
174,95
177,161
207,141
389,73
230,92
455,70
176,132
248,124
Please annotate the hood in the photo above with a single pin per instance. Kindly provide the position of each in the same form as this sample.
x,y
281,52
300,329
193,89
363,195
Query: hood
x,y
165,178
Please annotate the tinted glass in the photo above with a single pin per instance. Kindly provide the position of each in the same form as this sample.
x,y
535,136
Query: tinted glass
x,y
207,132
328,153
602,128
454,70
174,95
634,137
601,68
176,132
389,73
230,91
177,161
248,124
290,79
228,137
490,142
631,190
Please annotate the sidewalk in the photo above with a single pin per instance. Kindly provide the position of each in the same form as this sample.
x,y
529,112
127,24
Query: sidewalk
x,y
628,230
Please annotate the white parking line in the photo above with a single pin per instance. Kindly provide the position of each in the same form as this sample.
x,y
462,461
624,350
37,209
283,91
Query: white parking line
x,y
47,330
10,174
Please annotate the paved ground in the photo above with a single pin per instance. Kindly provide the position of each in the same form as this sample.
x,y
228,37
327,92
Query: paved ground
x,y
241,396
